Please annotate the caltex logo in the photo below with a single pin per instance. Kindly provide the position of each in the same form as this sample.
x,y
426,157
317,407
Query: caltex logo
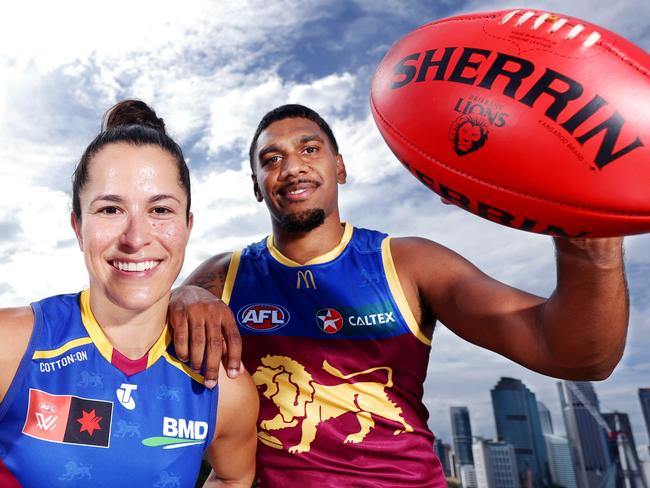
x,y
329,320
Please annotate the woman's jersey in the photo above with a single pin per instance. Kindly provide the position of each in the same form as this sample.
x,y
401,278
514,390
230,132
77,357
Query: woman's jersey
x,y
339,362
78,413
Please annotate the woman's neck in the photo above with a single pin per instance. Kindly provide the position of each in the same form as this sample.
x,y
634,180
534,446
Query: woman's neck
x,y
131,332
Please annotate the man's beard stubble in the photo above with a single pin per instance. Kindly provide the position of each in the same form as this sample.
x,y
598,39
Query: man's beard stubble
x,y
304,221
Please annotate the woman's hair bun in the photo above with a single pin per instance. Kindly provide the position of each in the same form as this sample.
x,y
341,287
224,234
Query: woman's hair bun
x,y
132,112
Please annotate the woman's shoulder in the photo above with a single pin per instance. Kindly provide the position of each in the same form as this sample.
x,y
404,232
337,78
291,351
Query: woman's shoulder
x,y
16,320
16,325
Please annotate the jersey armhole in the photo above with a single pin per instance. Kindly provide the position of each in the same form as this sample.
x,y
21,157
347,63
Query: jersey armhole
x,y
229,284
23,365
212,425
398,293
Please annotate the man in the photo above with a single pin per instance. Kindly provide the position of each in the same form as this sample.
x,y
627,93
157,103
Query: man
x,y
337,322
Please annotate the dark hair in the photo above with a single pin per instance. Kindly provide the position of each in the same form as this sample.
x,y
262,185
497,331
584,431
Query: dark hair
x,y
289,111
131,122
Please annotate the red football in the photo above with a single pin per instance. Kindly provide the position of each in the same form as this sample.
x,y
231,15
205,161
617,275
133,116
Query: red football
x,y
534,120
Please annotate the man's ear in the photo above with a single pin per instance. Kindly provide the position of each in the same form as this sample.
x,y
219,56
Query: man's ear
x,y
256,189
76,226
341,173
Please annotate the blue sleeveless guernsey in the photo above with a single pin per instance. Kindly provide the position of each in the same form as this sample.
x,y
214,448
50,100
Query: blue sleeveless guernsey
x,y
339,362
73,417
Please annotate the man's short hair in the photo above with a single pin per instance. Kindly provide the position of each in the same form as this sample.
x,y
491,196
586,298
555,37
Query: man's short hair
x,y
292,110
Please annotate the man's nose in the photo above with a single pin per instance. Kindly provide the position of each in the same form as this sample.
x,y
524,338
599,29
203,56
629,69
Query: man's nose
x,y
293,165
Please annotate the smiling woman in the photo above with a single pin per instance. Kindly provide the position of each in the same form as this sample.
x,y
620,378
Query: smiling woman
x,y
90,383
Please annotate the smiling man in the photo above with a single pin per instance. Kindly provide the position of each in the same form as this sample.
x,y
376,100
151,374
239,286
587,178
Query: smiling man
x,y
337,321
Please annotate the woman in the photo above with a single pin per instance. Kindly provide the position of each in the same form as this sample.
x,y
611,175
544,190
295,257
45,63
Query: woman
x,y
91,392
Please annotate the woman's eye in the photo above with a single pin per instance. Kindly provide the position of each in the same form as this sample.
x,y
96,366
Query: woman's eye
x,y
109,210
161,210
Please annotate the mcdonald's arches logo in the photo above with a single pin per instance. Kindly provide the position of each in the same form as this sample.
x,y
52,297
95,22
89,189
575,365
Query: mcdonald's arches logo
x,y
306,279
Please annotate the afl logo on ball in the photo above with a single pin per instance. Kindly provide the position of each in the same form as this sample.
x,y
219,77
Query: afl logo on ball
x,y
263,317
329,320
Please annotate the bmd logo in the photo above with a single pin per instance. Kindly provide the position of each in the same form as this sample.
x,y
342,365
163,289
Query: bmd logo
x,y
263,317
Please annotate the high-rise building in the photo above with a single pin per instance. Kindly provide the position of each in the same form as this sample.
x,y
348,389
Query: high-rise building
x,y
644,398
461,431
495,464
559,461
517,422
442,451
453,465
587,438
545,418
468,476
622,449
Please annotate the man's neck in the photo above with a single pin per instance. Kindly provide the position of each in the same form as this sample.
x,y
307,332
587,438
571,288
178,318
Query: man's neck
x,y
302,247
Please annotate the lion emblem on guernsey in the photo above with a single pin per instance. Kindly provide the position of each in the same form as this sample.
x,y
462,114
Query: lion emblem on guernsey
x,y
304,403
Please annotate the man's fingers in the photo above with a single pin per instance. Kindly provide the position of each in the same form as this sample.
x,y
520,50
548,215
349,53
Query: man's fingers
x,y
178,322
231,336
197,344
214,346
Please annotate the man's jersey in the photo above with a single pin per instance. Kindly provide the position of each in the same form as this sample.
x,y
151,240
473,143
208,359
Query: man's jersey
x,y
339,362
78,413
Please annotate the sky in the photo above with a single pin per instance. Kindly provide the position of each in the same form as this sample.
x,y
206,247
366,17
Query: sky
x,y
211,70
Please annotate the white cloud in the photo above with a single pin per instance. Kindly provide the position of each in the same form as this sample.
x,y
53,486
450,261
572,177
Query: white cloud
x,y
234,114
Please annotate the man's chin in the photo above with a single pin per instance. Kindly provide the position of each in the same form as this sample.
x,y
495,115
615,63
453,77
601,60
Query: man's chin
x,y
304,221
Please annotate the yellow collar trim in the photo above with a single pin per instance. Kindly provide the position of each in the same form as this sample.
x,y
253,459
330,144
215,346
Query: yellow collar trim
x,y
104,345
328,256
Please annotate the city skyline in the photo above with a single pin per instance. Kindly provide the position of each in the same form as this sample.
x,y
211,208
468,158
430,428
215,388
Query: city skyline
x,y
553,404
591,440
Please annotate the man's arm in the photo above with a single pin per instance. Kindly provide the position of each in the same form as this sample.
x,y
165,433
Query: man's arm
x,y
203,324
578,333
232,452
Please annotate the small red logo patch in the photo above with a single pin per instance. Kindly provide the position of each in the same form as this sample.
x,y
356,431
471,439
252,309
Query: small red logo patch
x,y
68,419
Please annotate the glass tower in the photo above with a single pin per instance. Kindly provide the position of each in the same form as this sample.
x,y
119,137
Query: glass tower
x,y
518,424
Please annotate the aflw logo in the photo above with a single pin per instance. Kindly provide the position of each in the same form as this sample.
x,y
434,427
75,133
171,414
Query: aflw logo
x,y
46,422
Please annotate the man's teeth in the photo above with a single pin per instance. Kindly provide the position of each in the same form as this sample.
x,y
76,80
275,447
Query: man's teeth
x,y
297,192
131,266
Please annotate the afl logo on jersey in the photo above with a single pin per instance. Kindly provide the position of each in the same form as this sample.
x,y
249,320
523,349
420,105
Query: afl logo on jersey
x,y
329,320
263,317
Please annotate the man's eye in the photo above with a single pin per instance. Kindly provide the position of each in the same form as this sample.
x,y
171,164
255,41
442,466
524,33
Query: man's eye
x,y
161,210
271,160
311,149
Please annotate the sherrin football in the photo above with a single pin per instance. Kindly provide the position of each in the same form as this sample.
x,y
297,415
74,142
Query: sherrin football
x,y
530,119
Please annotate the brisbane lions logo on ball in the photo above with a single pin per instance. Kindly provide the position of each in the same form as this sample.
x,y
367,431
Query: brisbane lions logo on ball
x,y
468,134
